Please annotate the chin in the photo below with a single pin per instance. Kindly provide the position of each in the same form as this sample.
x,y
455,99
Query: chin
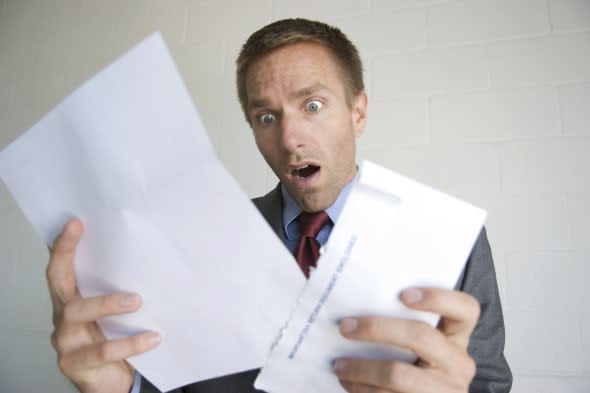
x,y
312,205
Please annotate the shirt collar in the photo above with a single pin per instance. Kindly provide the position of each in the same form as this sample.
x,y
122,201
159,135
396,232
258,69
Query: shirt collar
x,y
291,209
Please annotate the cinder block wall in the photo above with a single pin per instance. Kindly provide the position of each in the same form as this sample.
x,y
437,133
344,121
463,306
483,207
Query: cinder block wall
x,y
485,99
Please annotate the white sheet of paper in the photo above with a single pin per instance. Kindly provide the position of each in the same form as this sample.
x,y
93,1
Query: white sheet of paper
x,y
393,233
128,155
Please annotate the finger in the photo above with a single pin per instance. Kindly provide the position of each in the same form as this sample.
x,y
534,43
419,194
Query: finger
x,y
425,341
76,325
386,375
459,311
73,336
80,310
106,352
60,270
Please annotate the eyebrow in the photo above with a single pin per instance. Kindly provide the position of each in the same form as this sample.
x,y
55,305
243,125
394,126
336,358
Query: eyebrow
x,y
306,91
310,90
257,103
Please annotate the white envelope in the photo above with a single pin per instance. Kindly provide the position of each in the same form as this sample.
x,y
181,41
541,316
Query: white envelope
x,y
393,233
128,155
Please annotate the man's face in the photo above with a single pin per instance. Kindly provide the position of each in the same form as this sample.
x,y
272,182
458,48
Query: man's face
x,y
303,125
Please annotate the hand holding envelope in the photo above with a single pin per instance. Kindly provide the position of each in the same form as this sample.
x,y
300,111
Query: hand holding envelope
x,y
393,233
443,359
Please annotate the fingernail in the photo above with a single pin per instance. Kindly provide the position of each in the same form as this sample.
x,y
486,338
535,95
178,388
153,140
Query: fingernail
x,y
348,325
129,299
153,339
340,365
411,295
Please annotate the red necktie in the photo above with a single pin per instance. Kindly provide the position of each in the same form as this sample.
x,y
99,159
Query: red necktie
x,y
307,250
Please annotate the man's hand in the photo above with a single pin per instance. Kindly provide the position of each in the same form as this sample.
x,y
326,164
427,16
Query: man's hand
x,y
93,363
444,364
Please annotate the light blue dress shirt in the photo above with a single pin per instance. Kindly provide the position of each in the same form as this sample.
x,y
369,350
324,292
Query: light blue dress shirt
x,y
291,227
291,210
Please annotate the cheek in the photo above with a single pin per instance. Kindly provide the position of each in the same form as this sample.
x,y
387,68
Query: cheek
x,y
266,147
342,138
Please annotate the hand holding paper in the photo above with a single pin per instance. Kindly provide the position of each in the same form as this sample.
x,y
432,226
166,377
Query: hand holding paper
x,y
77,338
127,154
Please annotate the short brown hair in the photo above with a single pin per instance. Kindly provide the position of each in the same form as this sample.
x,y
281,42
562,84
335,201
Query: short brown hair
x,y
290,31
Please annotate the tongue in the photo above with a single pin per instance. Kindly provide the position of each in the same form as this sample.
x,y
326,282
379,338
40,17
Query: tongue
x,y
307,171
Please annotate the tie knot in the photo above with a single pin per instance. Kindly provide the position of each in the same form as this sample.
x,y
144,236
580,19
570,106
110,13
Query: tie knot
x,y
312,223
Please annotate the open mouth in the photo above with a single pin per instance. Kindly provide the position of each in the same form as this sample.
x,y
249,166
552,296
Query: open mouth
x,y
305,171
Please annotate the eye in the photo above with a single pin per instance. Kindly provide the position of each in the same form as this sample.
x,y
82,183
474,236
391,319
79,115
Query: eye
x,y
313,106
266,119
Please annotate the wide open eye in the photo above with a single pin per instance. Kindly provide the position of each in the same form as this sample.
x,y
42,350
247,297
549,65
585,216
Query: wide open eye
x,y
266,119
313,106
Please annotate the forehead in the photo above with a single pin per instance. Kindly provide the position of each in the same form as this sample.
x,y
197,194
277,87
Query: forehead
x,y
291,68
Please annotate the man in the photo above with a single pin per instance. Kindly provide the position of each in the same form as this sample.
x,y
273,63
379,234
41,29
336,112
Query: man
x,y
301,88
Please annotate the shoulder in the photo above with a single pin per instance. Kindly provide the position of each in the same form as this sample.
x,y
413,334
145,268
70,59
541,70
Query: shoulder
x,y
488,339
479,266
273,200
271,208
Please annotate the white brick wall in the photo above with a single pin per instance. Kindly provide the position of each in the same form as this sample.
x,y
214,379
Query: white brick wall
x,y
430,71
547,165
386,32
464,22
569,15
319,9
495,115
578,211
533,221
575,115
551,59
541,384
486,99
559,269
547,343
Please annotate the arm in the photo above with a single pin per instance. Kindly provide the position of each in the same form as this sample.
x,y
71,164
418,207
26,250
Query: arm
x,y
91,362
487,340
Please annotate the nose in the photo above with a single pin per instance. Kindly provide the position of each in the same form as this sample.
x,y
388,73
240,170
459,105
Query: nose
x,y
291,132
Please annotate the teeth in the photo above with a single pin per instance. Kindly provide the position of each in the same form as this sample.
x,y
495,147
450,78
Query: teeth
x,y
304,171
297,171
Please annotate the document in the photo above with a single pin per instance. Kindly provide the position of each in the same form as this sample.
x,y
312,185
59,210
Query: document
x,y
128,155
393,233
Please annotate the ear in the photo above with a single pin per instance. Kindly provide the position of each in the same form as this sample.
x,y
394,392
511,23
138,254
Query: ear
x,y
359,113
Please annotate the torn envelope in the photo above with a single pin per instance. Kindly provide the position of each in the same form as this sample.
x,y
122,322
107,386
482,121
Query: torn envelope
x,y
128,155
393,233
